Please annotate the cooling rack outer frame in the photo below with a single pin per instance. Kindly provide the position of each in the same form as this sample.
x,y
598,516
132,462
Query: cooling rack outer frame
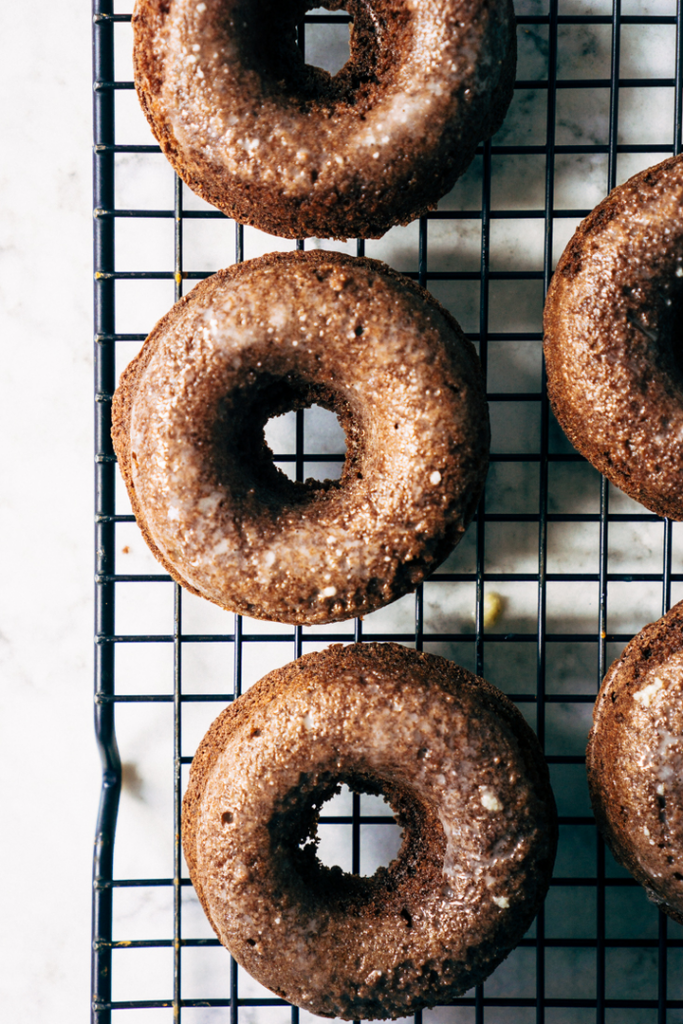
x,y
105,89
105,469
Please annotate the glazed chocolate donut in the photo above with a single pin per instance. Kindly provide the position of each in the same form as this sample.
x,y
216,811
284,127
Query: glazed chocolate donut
x,y
282,332
467,781
613,334
635,760
286,147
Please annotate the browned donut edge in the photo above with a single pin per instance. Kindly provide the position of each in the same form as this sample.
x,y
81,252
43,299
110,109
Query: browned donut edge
x,y
653,646
204,759
393,659
130,378
289,217
121,407
569,266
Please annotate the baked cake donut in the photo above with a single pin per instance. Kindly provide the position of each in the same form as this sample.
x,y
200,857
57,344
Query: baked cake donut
x,y
468,783
613,336
279,333
290,149
635,760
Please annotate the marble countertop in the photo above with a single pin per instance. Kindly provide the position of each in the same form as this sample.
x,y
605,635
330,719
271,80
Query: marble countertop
x,y
50,768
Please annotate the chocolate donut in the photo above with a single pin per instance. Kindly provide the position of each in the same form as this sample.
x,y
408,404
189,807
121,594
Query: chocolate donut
x,y
284,146
282,332
467,781
613,338
635,760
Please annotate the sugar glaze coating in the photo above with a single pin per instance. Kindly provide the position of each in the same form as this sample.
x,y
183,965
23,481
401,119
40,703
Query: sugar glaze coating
x,y
286,147
467,781
613,338
279,333
635,760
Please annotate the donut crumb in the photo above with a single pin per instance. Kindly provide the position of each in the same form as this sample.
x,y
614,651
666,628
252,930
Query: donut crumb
x,y
493,606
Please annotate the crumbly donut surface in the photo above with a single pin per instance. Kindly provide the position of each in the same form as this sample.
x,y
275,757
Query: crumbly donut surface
x,y
613,338
467,781
635,760
279,333
286,147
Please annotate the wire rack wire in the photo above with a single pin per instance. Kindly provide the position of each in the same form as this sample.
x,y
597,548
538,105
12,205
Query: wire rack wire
x,y
598,951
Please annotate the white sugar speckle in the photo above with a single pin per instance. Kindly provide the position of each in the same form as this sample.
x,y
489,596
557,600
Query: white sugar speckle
x,y
645,695
489,800
501,901
435,477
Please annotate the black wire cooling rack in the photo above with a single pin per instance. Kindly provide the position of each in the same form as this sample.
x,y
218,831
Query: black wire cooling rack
x,y
580,567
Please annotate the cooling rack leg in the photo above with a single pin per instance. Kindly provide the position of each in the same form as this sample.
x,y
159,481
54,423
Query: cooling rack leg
x,y
103,117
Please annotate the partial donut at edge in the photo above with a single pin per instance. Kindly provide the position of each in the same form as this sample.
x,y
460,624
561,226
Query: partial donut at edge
x,y
635,760
613,336
349,156
409,487
443,915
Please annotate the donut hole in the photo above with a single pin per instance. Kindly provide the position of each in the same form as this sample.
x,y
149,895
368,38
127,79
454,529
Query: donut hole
x,y
418,845
322,439
675,332
303,428
271,45
333,799
379,841
657,315
326,45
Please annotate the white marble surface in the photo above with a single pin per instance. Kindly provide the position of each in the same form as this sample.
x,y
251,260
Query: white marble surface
x,y
50,770
49,766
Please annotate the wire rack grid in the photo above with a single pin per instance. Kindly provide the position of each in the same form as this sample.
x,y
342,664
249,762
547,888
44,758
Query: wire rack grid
x,y
577,566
